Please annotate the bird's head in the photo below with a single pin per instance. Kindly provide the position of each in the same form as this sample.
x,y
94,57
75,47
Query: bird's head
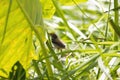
x,y
53,36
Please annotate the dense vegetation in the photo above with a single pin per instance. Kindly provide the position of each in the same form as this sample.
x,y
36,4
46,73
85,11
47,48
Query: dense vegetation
x,y
88,29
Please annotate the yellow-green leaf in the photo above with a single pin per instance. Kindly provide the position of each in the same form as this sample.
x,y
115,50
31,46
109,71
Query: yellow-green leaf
x,y
71,2
48,8
17,44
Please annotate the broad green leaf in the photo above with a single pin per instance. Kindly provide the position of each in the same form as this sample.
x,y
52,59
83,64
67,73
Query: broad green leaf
x,y
71,2
37,25
33,11
17,44
48,8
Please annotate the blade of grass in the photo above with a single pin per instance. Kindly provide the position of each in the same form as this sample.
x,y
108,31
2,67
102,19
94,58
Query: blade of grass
x,y
116,19
106,29
60,12
35,63
70,73
57,61
89,18
115,27
104,69
90,66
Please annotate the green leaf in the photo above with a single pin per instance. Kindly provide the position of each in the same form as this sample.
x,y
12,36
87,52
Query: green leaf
x,y
17,43
48,8
36,25
33,13
32,10
115,27
18,72
71,2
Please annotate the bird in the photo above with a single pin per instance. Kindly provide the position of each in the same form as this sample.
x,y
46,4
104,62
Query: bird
x,y
56,41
